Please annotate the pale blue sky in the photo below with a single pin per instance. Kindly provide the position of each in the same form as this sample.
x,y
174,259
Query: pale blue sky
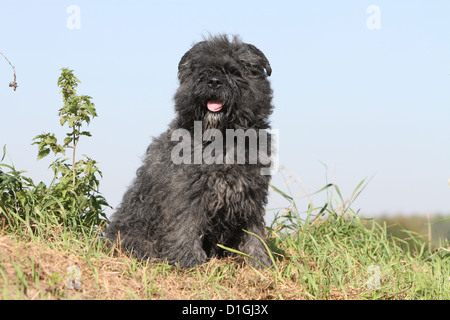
x,y
364,102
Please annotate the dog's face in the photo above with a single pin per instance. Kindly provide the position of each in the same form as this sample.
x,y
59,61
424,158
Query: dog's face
x,y
224,84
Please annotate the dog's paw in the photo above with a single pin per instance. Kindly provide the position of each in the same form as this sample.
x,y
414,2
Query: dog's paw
x,y
262,258
192,259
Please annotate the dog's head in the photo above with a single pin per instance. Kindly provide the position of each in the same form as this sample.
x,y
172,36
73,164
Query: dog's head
x,y
224,84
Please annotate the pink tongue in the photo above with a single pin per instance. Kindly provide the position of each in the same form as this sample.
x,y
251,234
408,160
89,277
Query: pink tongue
x,y
214,105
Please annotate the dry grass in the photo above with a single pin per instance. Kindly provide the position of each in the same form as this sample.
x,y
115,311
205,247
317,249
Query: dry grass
x,y
36,270
31,270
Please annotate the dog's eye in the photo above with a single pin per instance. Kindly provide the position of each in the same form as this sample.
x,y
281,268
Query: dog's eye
x,y
256,70
233,71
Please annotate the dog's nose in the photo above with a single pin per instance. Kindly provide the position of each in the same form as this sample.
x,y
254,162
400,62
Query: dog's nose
x,y
214,83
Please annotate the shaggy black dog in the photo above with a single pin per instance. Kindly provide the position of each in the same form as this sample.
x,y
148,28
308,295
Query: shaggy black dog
x,y
193,190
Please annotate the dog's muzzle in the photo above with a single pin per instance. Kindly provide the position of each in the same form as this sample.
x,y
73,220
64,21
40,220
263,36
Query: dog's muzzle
x,y
215,82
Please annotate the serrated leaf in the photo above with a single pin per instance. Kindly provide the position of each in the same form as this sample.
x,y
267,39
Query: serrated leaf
x,y
71,121
67,141
43,152
58,149
51,140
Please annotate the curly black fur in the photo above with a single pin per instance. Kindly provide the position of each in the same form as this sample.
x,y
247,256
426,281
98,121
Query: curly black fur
x,y
180,212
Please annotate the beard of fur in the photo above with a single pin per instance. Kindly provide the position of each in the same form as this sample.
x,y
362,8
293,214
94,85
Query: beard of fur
x,y
213,120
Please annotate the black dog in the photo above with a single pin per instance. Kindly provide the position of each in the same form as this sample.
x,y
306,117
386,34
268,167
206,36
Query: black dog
x,y
191,195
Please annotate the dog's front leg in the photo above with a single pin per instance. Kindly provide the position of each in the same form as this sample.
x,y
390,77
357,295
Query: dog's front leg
x,y
183,245
253,246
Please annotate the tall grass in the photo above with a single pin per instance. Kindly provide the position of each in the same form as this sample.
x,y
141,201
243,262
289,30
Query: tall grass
x,y
330,250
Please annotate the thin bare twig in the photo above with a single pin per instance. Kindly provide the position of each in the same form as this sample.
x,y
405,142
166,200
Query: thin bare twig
x,y
12,84
398,292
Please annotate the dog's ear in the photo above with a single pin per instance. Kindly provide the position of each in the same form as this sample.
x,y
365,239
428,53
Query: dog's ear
x,y
183,64
261,57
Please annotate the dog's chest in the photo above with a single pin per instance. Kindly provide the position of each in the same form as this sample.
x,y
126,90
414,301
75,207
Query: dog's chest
x,y
230,194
